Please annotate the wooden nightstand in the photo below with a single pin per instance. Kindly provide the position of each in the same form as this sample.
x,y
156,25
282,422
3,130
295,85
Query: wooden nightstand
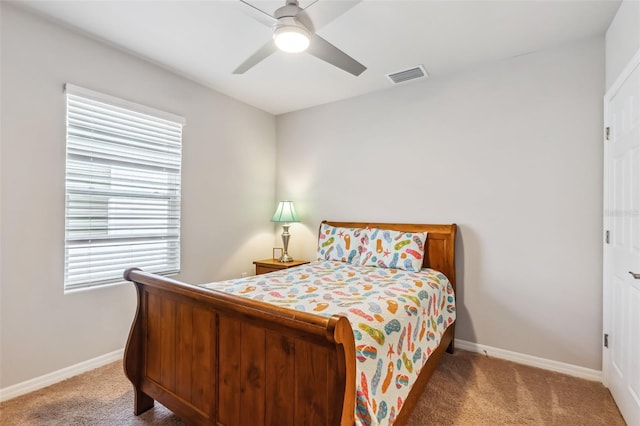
x,y
269,265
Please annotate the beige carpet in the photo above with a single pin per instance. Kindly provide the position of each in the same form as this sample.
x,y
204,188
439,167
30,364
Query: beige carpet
x,y
467,389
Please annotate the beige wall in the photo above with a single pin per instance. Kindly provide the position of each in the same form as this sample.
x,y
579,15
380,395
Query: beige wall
x,y
622,39
512,152
228,191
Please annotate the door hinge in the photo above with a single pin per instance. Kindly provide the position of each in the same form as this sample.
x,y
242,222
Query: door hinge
x,y
606,340
607,132
606,237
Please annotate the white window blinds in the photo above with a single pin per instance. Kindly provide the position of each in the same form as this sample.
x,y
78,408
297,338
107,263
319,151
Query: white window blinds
x,y
122,189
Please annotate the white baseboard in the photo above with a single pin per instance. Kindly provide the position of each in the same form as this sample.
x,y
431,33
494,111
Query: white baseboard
x,y
65,373
58,376
534,361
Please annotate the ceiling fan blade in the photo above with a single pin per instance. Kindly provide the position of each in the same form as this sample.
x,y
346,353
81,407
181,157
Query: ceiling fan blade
x,y
322,49
267,49
259,14
323,12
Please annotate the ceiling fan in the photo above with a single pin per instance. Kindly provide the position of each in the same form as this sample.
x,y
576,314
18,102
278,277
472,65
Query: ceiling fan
x,y
294,31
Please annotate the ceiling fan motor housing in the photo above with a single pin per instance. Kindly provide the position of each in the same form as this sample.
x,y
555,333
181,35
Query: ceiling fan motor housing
x,y
290,35
291,9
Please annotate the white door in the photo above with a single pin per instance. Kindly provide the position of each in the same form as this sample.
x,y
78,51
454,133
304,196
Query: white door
x,y
621,359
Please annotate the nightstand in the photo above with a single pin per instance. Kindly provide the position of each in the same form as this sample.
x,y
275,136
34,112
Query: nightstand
x,y
269,265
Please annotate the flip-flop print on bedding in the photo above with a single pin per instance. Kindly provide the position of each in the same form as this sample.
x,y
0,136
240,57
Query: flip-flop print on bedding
x,y
398,318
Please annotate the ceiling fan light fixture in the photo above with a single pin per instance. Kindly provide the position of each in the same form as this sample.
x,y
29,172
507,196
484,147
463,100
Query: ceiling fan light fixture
x,y
291,38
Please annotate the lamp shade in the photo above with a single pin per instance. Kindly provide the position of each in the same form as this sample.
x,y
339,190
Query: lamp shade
x,y
285,213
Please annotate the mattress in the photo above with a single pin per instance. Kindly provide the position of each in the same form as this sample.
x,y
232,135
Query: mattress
x,y
398,318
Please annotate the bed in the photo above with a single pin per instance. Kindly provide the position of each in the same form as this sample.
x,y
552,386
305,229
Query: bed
x,y
214,357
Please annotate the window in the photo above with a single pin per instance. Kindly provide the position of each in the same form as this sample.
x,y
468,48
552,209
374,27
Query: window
x,y
122,189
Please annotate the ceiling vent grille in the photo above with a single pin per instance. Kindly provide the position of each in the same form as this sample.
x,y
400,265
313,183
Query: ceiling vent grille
x,y
408,74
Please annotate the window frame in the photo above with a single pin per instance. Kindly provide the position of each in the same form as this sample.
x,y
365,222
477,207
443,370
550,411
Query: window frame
x,y
143,195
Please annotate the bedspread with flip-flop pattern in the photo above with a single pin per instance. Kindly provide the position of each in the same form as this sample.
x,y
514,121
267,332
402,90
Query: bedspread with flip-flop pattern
x,y
398,318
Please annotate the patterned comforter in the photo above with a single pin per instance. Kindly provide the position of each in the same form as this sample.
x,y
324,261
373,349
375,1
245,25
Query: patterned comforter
x,y
398,319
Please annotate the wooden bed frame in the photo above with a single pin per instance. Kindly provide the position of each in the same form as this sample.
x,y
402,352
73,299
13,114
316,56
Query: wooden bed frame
x,y
216,358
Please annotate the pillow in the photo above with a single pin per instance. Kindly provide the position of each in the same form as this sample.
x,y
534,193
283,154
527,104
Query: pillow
x,y
341,244
393,249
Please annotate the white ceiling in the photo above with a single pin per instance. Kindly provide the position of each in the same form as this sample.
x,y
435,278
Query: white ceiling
x,y
206,40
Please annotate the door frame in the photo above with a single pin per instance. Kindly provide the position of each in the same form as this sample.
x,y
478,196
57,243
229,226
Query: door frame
x,y
606,217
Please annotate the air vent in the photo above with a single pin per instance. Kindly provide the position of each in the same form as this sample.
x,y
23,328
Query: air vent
x,y
408,74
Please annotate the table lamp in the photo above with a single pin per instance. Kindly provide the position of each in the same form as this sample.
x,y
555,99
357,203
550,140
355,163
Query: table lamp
x,y
285,213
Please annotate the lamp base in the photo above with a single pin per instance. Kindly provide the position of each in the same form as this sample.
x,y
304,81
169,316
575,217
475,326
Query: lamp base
x,y
285,242
285,258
